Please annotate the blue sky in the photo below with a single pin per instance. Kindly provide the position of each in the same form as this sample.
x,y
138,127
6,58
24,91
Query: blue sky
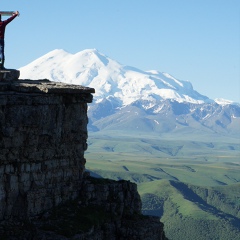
x,y
193,40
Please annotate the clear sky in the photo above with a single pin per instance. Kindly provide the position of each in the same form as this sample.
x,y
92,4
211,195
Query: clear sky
x,y
193,40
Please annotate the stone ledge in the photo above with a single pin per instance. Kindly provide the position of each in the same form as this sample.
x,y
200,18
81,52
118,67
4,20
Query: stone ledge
x,y
9,74
43,86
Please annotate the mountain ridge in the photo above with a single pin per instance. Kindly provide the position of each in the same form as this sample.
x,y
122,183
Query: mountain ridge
x,y
151,101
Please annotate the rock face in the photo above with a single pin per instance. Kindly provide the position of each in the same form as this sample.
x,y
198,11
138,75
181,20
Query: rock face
x,y
105,210
120,199
43,133
44,191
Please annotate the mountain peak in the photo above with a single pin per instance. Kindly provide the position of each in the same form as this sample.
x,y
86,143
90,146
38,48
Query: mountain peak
x,y
224,102
55,53
90,51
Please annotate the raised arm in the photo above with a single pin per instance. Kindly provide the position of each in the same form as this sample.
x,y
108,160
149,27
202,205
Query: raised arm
x,y
11,18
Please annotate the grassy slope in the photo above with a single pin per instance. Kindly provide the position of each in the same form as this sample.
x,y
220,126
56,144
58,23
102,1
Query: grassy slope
x,y
191,184
191,212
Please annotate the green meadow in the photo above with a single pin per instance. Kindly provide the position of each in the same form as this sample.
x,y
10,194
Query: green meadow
x,y
142,159
193,185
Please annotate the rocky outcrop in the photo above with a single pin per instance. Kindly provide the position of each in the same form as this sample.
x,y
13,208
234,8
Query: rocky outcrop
x,y
105,210
43,192
121,200
43,134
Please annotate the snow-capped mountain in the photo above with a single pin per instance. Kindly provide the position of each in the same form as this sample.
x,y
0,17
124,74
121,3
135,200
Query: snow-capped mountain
x,y
109,78
130,99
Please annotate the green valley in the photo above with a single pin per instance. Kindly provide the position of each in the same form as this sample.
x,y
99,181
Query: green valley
x,y
193,185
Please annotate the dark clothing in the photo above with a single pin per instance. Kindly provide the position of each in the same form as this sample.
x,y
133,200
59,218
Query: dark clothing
x,y
2,57
3,25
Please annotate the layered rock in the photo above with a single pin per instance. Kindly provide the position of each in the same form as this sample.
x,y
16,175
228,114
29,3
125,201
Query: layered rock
x,y
121,200
43,133
105,210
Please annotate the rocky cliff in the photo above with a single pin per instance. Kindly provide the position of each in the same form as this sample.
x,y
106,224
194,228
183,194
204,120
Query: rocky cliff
x,y
43,191
43,133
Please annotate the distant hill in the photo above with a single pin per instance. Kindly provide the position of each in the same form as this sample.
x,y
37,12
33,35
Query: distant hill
x,y
166,116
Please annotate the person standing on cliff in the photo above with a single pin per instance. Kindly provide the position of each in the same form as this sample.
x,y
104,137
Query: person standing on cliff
x,y
3,25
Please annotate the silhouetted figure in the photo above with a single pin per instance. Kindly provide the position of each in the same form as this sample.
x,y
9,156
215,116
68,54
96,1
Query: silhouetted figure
x,y
3,25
